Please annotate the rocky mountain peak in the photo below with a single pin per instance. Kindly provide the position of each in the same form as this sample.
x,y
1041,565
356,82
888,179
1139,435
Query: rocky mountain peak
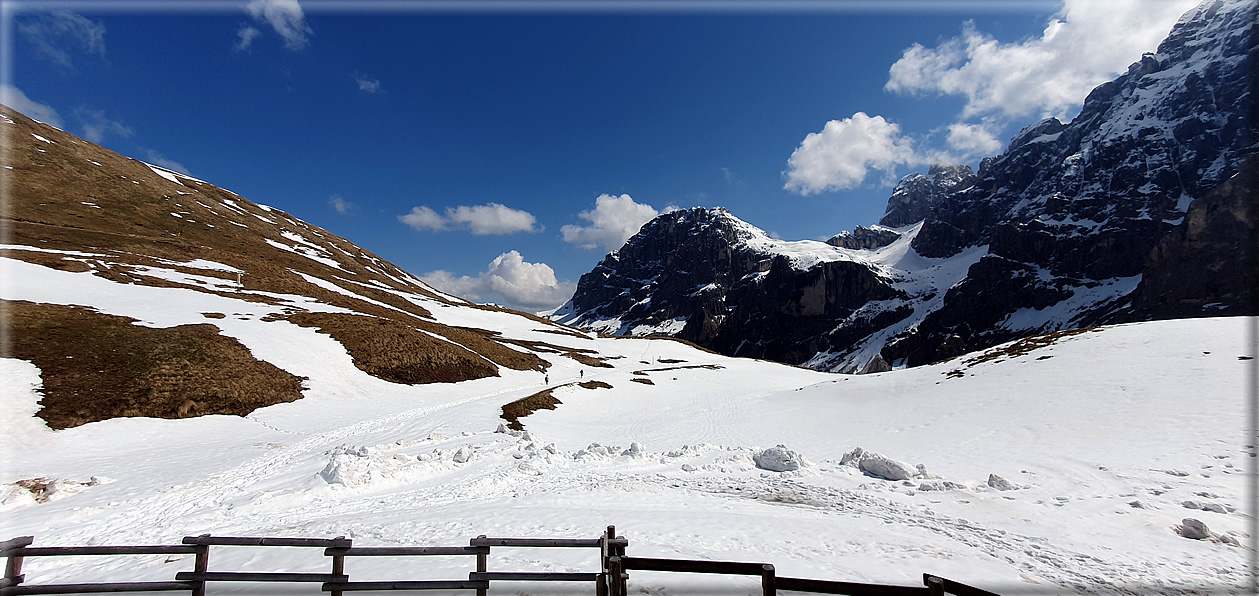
x,y
917,195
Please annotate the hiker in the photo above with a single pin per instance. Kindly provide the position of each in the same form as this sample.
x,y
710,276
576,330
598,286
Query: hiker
x,y
546,379
581,374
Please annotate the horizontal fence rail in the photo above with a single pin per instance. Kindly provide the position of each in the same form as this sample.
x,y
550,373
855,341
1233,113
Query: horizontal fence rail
x,y
610,580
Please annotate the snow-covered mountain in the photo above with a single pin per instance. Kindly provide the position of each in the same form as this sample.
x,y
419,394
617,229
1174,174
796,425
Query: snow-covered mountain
x,y
1059,231
180,360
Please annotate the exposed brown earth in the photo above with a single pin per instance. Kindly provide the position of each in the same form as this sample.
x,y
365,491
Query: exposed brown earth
x,y
392,351
1021,347
96,366
514,411
594,385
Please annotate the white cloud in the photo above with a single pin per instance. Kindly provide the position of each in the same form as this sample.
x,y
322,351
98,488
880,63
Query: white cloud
x,y
13,97
972,140
158,159
367,84
51,33
338,203
509,280
612,222
492,219
245,37
423,218
842,155
96,126
1085,44
286,17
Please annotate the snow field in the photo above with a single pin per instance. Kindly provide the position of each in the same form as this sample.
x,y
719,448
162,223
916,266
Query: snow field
x,y
1105,436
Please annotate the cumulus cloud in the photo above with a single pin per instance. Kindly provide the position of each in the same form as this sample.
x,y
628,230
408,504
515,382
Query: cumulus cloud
x,y
1085,44
844,153
158,159
509,280
612,222
286,17
13,97
53,33
972,140
339,204
96,126
368,84
492,219
245,37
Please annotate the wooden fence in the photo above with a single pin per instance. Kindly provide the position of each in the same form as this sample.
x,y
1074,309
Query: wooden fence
x,y
610,580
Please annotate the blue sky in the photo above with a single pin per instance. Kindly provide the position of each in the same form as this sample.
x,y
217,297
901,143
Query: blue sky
x,y
500,149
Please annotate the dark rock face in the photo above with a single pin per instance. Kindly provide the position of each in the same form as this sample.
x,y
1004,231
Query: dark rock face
x,y
863,238
917,195
1070,207
1133,210
1208,264
705,276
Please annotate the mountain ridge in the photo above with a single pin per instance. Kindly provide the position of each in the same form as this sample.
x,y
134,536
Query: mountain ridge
x,y
1055,232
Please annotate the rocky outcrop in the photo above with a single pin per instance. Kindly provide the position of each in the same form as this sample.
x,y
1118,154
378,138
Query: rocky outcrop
x,y
862,238
705,276
917,196
1209,264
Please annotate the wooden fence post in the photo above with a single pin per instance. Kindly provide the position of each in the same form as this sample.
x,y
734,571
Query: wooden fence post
x,y
768,581
482,565
935,585
338,567
201,565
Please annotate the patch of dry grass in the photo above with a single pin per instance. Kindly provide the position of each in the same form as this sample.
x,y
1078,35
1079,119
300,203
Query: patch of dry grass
x,y
514,411
396,352
589,360
594,385
644,381
96,366
1018,348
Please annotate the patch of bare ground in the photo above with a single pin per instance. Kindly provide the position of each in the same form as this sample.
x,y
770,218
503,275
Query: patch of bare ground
x,y
589,360
563,332
542,400
594,385
670,361
397,352
643,380
213,315
96,366
1018,348
581,355
704,366
485,343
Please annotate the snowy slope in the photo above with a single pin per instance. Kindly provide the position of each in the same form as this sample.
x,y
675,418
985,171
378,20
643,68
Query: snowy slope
x,y
1150,414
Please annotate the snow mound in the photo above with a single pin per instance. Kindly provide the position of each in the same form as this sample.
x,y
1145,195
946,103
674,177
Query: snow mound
x,y
779,459
879,466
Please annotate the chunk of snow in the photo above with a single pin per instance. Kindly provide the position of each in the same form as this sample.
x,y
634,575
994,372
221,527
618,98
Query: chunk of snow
x,y
778,459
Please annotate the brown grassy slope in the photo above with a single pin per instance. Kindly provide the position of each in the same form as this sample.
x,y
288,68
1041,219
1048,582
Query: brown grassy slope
x,y
393,351
97,366
73,195
59,198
